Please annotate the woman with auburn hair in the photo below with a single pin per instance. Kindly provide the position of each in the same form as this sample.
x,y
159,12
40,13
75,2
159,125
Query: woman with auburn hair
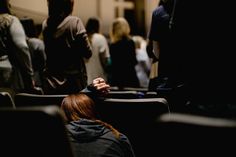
x,y
123,55
88,135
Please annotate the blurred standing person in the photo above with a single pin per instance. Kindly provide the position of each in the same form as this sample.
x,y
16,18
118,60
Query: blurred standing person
x,y
160,46
13,45
96,66
144,64
66,46
123,55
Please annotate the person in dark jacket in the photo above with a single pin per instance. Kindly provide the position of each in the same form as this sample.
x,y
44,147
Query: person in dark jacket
x,y
123,55
91,137
160,47
66,47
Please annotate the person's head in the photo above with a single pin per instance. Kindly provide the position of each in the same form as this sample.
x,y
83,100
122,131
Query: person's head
x,y
60,7
4,6
58,10
76,106
120,29
92,25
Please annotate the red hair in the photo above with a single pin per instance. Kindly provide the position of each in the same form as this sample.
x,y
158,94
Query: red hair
x,y
76,106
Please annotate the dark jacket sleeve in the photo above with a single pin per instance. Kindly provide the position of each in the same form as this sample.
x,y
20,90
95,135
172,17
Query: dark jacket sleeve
x,y
81,39
91,91
84,46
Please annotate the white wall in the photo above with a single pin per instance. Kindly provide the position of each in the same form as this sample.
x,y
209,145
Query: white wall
x,y
33,5
37,9
107,14
86,8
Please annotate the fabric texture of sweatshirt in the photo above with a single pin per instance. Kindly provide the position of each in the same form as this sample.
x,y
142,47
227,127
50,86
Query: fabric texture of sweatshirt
x,y
92,139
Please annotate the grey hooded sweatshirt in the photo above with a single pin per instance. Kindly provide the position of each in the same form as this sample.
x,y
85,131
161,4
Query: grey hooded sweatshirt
x,y
91,139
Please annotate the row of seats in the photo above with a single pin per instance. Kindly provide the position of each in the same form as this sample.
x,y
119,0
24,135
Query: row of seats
x,y
33,132
132,117
27,99
148,122
40,132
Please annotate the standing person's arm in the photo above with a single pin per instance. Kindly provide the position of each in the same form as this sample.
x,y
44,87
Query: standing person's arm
x,y
23,57
98,86
82,40
22,54
97,90
153,48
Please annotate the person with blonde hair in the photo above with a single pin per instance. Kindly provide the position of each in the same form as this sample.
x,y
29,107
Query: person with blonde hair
x,y
120,29
123,55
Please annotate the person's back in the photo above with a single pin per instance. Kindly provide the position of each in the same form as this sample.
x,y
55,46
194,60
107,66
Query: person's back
x,y
94,139
208,65
13,44
66,46
123,55
90,136
205,67
96,66
160,40
123,64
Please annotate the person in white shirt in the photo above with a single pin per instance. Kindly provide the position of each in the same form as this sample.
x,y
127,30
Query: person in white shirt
x,y
97,64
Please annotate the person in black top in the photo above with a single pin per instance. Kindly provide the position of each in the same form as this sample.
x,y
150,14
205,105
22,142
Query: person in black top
x,y
123,55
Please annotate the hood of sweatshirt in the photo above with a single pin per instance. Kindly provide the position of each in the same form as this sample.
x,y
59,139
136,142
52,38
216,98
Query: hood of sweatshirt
x,y
86,130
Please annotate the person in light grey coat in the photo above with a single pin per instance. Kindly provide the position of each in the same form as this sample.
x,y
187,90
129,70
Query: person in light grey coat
x,y
13,45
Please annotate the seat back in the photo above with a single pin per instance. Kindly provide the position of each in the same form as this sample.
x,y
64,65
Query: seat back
x,y
26,99
132,94
179,134
6,100
135,118
141,89
125,94
114,110
33,131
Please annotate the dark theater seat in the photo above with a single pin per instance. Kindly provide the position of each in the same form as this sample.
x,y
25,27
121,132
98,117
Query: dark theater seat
x,y
33,132
6,100
182,134
135,118
27,99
